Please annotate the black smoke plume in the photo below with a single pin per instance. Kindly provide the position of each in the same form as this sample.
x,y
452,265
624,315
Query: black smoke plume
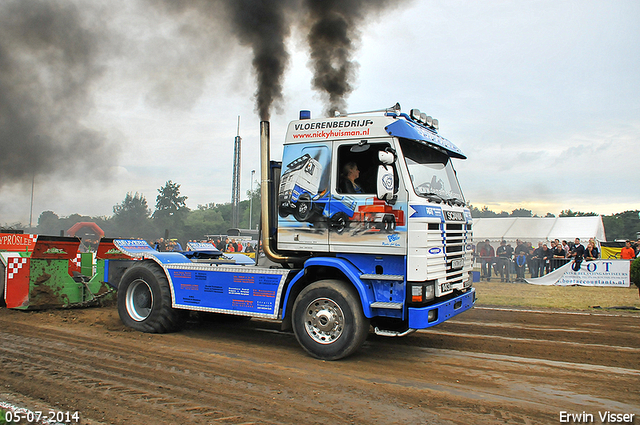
x,y
333,37
262,24
47,66
331,28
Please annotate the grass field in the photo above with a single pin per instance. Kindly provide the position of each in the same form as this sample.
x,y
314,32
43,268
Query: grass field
x,y
557,297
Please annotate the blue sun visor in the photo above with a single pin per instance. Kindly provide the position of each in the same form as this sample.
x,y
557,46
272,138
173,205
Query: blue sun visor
x,y
412,131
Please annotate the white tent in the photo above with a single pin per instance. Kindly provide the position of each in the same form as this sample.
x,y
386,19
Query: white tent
x,y
538,229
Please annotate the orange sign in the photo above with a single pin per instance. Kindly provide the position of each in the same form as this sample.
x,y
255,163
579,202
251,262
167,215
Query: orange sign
x,y
13,242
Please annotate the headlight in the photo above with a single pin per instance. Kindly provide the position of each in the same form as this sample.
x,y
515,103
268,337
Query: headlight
x,y
429,292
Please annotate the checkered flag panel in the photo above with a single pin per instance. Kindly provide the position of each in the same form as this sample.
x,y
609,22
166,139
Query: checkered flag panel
x,y
15,265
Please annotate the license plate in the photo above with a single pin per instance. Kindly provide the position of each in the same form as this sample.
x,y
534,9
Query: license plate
x,y
445,287
457,264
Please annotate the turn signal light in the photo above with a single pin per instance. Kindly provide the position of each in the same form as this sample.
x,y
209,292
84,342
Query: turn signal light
x,y
416,294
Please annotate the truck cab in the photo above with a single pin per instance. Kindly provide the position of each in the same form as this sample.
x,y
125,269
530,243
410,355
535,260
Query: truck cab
x,y
418,228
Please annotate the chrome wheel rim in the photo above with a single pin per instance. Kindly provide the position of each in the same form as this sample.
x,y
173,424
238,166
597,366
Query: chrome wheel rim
x,y
324,321
303,208
139,300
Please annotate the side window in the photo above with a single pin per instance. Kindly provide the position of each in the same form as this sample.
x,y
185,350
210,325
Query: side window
x,y
358,167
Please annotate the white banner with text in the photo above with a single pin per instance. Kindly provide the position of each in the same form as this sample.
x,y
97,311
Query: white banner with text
x,y
591,273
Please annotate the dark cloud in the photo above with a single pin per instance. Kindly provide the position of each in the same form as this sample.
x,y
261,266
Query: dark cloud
x,y
54,55
48,63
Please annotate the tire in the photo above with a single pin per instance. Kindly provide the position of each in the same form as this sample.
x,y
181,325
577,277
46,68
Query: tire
x,y
144,300
304,208
328,321
339,222
389,222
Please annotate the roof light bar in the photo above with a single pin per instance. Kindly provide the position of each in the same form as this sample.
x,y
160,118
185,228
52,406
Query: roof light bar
x,y
424,119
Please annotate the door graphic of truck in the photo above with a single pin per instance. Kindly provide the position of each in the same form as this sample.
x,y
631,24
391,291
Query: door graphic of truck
x,y
376,215
300,196
372,216
299,186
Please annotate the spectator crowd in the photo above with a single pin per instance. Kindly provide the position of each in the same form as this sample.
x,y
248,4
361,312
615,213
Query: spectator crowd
x,y
506,261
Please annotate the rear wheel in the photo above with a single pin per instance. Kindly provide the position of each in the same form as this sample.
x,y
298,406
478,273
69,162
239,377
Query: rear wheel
x,y
339,222
389,222
328,320
144,300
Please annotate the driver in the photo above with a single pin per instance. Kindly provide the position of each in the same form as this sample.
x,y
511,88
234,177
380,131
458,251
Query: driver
x,y
436,184
351,173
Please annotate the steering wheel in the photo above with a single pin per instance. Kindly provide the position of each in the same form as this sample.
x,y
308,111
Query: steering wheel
x,y
424,187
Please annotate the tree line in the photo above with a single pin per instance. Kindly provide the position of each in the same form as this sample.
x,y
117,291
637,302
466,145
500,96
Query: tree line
x,y
133,218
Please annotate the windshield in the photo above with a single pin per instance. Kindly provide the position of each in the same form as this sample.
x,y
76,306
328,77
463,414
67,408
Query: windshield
x,y
431,171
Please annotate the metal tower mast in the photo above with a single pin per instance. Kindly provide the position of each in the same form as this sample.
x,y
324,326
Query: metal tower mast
x,y
235,185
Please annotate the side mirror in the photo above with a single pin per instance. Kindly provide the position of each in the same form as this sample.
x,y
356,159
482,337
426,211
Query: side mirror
x,y
386,157
385,184
386,180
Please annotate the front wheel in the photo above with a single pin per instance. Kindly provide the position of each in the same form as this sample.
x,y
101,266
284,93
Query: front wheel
x,y
144,300
328,320
304,208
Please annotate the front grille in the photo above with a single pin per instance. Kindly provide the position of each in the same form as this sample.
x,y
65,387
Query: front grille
x,y
456,237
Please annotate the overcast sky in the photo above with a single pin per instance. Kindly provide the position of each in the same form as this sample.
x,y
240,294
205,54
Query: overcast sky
x,y
542,96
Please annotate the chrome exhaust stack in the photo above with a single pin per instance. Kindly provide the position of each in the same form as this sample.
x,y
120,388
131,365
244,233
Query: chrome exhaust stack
x,y
266,183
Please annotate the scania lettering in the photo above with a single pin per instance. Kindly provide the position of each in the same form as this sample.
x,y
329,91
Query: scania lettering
x,y
392,258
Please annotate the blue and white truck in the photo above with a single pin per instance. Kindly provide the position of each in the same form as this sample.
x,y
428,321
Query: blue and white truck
x,y
334,283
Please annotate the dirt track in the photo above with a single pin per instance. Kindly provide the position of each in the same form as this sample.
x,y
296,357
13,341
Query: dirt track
x,y
485,366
